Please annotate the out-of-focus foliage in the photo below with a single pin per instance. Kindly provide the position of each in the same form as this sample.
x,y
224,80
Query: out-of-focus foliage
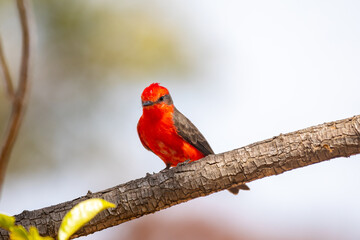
x,y
81,50
6,222
81,214
88,36
73,221
19,232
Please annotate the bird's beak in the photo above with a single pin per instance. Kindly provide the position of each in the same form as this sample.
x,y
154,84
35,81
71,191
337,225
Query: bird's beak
x,y
147,103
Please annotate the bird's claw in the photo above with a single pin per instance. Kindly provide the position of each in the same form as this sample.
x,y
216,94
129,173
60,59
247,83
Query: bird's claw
x,y
184,162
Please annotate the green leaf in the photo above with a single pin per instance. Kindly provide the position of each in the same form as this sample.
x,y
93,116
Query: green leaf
x,y
6,221
34,234
19,233
81,214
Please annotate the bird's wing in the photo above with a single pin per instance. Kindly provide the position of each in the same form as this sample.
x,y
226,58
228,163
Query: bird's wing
x,y
190,133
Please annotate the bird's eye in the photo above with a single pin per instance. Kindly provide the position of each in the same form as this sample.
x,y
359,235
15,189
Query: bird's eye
x,y
161,99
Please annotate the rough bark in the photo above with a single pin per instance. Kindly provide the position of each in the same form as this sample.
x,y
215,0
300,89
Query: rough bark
x,y
214,173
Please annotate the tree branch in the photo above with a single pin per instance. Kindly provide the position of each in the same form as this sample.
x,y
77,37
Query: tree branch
x,y
18,105
7,75
206,176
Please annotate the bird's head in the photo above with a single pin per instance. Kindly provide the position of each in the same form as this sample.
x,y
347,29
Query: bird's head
x,y
156,96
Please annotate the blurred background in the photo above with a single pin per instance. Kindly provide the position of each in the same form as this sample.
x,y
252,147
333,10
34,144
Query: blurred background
x,y
242,71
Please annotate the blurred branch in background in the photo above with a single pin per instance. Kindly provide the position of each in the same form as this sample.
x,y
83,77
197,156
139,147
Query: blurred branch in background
x,y
6,72
211,174
19,99
86,54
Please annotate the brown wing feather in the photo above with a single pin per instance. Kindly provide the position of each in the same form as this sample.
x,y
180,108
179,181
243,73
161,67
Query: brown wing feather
x,y
190,133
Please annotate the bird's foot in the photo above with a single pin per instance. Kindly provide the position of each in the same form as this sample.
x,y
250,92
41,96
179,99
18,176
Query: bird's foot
x,y
168,165
184,162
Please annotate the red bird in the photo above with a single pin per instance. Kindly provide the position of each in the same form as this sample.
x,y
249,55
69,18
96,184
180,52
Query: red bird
x,y
168,133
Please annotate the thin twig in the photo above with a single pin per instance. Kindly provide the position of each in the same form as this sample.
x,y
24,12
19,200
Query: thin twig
x,y
7,76
18,106
24,68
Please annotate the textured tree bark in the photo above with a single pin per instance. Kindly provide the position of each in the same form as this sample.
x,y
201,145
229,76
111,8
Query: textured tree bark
x,y
214,173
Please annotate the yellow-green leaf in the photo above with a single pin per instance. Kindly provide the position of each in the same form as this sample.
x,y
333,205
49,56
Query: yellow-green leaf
x,y
6,221
34,234
19,233
81,214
